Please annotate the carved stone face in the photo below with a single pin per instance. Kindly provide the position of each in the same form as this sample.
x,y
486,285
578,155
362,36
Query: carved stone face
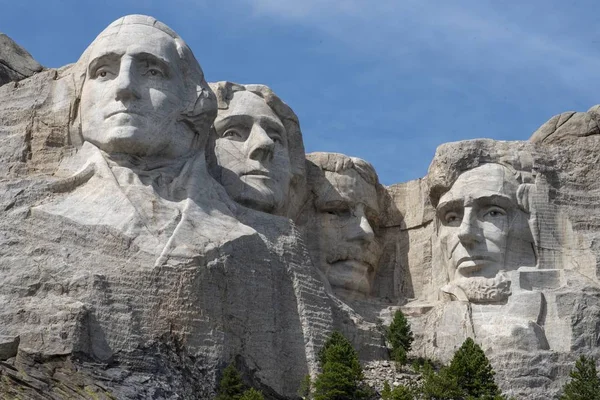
x,y
134,94
347,211
251,150
475,218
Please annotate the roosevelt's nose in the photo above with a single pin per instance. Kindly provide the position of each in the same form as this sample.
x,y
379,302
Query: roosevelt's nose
x,y
360,228
125,82
469,232
260,145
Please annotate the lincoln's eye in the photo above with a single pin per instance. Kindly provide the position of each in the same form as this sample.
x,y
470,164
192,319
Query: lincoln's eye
x,y
102,74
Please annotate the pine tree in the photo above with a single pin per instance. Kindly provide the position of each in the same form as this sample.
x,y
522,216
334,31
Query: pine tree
x,y
231,386
400,337
342,375
386,392
305,388
440,386
401,392
584,383
473,371
252,394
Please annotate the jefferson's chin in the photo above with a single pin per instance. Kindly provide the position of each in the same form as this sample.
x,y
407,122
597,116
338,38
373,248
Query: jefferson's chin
x,y
261,191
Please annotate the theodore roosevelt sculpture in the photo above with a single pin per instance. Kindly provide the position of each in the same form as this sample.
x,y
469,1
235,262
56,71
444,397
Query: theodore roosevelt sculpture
x,y
256,149
343,234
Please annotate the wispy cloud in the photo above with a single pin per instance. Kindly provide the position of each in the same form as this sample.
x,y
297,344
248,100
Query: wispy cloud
x,y
467,35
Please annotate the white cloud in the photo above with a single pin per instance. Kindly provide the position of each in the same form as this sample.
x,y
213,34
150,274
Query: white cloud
x,y
467,35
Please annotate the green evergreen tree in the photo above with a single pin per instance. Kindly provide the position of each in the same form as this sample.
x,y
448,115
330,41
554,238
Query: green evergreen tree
x,y
231,386
252,394
400,337
584,383
342,375
386,392
440,386
305,388
473,371
401,392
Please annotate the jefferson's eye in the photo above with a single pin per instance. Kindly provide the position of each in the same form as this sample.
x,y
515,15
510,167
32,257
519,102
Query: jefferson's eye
x,y
275,136
102,74
231,133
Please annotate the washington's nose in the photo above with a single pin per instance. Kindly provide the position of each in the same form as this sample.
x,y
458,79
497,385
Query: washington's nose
x,y
468,232
125,87
361,229
260,144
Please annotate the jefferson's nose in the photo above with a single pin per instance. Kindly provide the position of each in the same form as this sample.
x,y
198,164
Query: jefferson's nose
x,y
125,82
468,232
360,229
260,144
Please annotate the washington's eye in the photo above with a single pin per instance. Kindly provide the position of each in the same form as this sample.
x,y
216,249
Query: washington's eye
x,y
102,72
451,218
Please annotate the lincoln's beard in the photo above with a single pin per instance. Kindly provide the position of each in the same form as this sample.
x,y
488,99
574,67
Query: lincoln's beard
x,y
485,290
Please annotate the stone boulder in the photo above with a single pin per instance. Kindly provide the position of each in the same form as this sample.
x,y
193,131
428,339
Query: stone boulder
x,y
15,62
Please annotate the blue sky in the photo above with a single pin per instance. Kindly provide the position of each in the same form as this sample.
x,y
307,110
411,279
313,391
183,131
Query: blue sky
x,y
385,80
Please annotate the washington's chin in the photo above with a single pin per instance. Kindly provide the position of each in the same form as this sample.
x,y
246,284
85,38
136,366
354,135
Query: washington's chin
x,y
126,139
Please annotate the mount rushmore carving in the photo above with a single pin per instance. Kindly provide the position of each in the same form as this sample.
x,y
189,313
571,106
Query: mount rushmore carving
x,y
156,227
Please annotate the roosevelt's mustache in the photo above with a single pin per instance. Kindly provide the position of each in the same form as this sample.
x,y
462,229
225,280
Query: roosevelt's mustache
x,y
368,254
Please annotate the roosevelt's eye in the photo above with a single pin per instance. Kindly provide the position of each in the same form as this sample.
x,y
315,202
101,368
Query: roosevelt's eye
x,y
494,212
340,213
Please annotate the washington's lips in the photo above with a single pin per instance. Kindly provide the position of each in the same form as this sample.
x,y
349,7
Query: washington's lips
x,y
116,112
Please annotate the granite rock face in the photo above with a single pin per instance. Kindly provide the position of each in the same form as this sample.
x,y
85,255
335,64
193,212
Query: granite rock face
x,y
15,62
156,228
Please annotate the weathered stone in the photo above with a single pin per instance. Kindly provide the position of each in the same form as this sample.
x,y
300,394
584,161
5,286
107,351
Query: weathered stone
x,y
149,238
15,62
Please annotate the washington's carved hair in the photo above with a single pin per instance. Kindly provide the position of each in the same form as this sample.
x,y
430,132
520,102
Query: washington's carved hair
x,y
201,110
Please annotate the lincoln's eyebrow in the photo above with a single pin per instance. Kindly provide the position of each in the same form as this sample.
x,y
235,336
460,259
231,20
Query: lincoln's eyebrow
x,y
229,120
273,123
112,56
